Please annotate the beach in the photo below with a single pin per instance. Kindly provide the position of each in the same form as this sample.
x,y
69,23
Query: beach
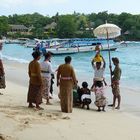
x,y
18,122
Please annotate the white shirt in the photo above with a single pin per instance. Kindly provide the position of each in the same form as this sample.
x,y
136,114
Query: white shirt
x,y
85,96
98,73
47,68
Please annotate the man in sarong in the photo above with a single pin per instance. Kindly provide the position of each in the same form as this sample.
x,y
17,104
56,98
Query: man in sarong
x,y
116,75
66,79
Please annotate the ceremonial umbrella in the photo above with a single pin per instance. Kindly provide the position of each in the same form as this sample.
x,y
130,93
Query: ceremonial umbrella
x,y
107,31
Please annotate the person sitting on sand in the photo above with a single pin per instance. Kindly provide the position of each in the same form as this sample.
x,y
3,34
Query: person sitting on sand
x,y
116,75
76,96
100,99
85,95
35,82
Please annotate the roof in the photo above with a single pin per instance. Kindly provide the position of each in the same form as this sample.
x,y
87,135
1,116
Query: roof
x,y
51,26
18,27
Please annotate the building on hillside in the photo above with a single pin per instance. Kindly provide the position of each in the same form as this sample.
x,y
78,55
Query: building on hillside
x,y
18,29
50,27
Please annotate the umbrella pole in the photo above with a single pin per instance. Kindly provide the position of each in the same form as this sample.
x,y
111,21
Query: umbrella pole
x,y
110,67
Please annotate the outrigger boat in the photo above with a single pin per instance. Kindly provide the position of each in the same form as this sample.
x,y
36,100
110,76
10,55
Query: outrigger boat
x,y
71,46
82,45
72,50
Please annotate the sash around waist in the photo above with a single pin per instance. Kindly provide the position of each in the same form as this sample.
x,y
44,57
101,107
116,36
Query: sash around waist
x,y
33,74
98,79
66,78
43,71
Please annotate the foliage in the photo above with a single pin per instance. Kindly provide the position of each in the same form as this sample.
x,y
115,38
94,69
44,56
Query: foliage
x,y
4,27
66,26
74,25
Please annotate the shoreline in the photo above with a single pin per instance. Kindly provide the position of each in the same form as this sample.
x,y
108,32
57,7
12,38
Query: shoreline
x,y
12,64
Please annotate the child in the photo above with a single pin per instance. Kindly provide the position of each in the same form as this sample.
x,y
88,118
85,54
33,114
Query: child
x,y
76,99
100,99
85,95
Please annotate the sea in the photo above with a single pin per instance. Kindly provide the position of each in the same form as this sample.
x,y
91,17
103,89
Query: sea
x,y
128,55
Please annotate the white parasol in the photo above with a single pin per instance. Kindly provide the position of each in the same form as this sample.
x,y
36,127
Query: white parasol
x,y
107,31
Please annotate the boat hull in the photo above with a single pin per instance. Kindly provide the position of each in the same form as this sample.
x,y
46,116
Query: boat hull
x,y
73,50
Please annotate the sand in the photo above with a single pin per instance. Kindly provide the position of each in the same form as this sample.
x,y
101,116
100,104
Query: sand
x,y
21,123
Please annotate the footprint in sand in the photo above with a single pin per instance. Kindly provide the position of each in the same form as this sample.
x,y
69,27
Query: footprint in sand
x,y
4,137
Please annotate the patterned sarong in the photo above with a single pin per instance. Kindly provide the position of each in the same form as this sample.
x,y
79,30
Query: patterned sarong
x,y
46,83
2,82
34,94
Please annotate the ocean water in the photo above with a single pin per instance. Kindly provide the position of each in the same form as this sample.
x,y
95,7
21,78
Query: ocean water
x,y
129,62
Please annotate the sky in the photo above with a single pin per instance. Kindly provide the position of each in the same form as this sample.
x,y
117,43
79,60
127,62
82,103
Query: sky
x,y
51,7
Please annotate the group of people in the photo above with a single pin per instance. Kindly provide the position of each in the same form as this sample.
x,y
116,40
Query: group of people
x,y
70,93
40,83
40,75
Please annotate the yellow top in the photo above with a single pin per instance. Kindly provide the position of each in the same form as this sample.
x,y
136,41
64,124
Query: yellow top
x,y
98,58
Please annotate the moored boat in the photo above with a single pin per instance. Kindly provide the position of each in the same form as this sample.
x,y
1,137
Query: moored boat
x,y
75,45
78,49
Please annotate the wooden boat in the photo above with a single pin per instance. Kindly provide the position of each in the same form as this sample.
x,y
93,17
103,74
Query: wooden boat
x,y
79,49
75,45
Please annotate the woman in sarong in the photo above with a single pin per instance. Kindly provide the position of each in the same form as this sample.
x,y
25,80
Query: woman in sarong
x,y
2,73
35,83
46,71
100,99
66,79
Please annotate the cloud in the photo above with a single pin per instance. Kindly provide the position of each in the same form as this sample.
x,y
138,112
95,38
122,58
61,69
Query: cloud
x,y
16,3
45,3
11,3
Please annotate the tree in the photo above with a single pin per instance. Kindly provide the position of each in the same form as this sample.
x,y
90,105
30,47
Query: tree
x,y
4,27
66,27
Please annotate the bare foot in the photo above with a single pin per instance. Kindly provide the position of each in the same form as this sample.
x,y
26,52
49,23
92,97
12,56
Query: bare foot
x,y
117,107
48,103
111,105
39,108
50,97
31,106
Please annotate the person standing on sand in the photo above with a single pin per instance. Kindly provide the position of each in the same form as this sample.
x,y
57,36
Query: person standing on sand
x,y
2,73
99,69
66,79
46,71
116,75
35,82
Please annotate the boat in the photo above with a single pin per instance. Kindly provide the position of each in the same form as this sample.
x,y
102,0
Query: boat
x,y
75,45
78,49
72,46
20,41
43,43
